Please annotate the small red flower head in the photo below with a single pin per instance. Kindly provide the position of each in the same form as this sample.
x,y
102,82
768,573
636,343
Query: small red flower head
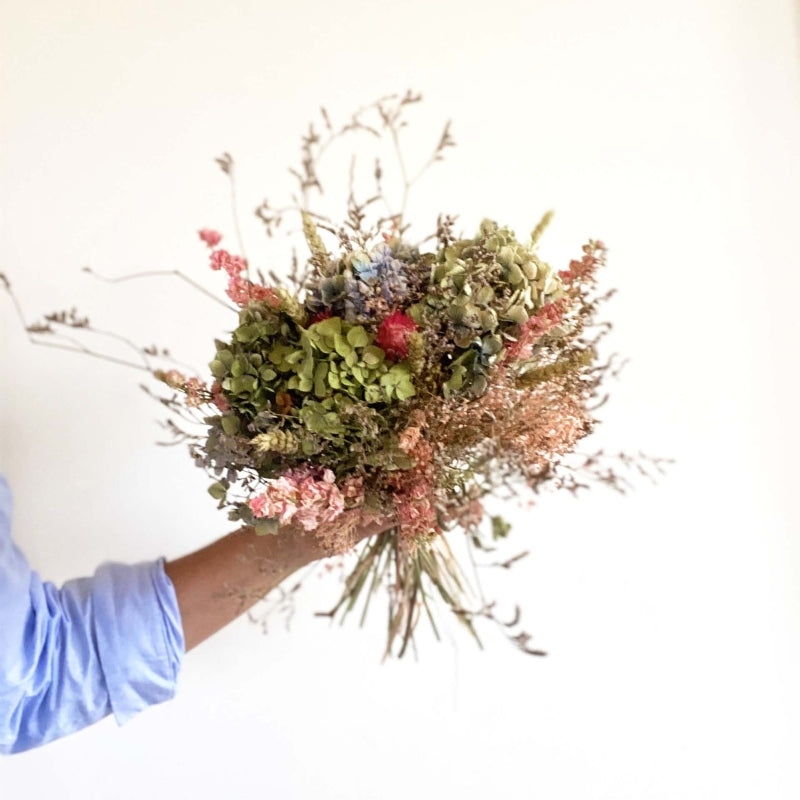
x,y
319,316
393,335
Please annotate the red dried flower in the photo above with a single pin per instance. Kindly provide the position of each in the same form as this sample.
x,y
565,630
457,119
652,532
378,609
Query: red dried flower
x,y
319,316
393,334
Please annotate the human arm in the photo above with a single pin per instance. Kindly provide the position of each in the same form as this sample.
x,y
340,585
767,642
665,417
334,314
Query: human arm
x,y
114,642
216,584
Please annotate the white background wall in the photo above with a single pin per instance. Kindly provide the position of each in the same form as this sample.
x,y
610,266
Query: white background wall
x,y
671,616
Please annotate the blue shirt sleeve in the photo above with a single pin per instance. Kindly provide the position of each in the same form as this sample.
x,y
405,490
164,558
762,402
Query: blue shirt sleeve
x,y
112,643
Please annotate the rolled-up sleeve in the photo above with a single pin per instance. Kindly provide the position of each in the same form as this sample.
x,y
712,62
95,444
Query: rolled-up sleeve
x,y
112,643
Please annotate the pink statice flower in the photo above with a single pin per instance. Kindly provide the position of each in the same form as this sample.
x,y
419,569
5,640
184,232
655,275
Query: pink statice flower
x,y
210,237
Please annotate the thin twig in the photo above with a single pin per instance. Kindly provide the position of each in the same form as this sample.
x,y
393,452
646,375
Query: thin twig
x,y
156,273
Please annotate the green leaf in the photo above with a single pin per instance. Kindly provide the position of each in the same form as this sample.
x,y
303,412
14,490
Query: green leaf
x,y
342,347
416,313
246,333
357,337
243,384
373,394
456,380
230,425
401,460
517,314
320,376
405,389
484,295
372,356
400,371
491,345
217,491
307,368
328,327
277,355
295,357
218,369
267,527
500,528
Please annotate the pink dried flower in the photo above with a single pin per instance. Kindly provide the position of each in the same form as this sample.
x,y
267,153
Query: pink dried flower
x,y
233,265
210,237
414,499
545,319
594,256
258,505
173,378
353,490
195,389
408,439
307,496
468,516
218,398
393,334
241,290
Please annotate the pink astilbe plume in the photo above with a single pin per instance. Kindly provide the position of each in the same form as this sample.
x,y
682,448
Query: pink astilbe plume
x,y
594,256
548,317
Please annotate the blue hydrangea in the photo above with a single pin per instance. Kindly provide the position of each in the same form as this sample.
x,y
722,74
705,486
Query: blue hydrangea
x,y
389,273
364,268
